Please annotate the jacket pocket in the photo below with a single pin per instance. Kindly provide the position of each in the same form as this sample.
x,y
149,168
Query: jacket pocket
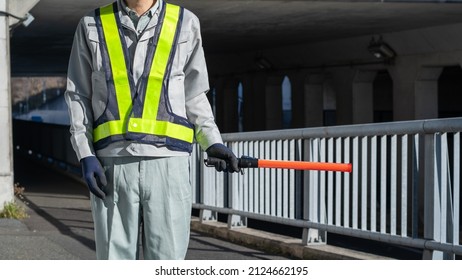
x,y
182,50
99,96
176,96
94,45
93,36
184,37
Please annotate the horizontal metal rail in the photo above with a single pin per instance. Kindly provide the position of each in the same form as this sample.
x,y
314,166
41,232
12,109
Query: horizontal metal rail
x,y
395,128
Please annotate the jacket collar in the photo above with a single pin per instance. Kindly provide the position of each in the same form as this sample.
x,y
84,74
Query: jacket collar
x,y
126,20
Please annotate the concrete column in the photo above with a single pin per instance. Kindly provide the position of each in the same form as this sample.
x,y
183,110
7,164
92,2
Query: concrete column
x,y
273,103
343,85
297,81
6,149
210,92
259,110
248,99
314,100
363,93
218,85
426,93
254,99
230,116
330,101
403,73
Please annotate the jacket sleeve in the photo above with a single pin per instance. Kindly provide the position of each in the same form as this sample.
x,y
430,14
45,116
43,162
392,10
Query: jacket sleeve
x,y
78,94
200,114
196,84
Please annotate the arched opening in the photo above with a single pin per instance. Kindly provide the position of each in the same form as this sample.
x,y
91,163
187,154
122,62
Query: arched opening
x,y
240,107
286,103
272,102
383,97
450,92
213,101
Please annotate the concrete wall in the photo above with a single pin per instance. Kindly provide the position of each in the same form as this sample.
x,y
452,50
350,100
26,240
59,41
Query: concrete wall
x,y
6,159
6,149
422,55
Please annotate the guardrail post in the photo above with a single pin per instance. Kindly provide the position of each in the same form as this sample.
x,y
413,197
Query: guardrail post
x,y
207,215
432,161
207,191
234,200
311,236
234,220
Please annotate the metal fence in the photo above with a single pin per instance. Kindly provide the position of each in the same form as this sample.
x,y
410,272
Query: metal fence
x,y
404,188
49,143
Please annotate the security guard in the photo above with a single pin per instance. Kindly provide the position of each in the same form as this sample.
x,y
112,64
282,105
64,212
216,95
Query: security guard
x,y
137,81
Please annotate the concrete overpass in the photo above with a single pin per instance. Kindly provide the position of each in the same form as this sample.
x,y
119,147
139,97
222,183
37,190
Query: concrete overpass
x,y
323,47
242,28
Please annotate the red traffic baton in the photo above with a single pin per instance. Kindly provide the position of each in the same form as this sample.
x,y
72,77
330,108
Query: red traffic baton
x,y
249,162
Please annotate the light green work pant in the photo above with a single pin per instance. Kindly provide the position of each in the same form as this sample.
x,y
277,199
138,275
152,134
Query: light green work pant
x,y
148,197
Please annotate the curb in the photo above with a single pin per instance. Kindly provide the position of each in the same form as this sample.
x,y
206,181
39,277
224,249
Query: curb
x,y
278,244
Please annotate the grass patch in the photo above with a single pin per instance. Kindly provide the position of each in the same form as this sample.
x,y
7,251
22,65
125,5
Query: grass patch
x,y
12,210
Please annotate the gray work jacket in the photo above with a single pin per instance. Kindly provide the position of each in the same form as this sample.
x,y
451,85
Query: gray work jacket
x,y
187,87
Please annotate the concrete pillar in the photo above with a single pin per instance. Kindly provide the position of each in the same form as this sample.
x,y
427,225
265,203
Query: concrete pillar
x,y
254,100
343,85
426,93
363,93
330,102
210,93
248,99
218,85
404,73
230,116
6,139
297,81
314,100
273,103
259,110
383,97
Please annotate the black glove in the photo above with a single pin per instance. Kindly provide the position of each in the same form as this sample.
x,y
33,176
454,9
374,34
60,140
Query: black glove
x,y
224,158
93,174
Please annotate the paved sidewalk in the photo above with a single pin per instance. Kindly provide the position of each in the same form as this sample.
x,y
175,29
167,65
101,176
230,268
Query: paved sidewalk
x,y
60,224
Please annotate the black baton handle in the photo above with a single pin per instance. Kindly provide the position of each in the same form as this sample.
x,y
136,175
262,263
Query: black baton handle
x,y
243,162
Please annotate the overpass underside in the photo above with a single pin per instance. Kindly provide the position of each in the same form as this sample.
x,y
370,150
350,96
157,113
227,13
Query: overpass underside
x,y
291,64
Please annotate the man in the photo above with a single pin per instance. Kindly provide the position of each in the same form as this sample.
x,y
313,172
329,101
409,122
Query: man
x,y
136,89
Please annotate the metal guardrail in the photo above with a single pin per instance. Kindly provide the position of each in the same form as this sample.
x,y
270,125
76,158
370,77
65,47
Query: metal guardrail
x,y
404,188
46,142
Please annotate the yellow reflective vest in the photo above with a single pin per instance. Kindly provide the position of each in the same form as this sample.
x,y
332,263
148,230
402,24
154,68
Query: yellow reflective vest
x,y
142,113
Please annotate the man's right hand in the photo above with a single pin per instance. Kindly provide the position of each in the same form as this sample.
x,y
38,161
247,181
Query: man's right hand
x,y
93,173
224,158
